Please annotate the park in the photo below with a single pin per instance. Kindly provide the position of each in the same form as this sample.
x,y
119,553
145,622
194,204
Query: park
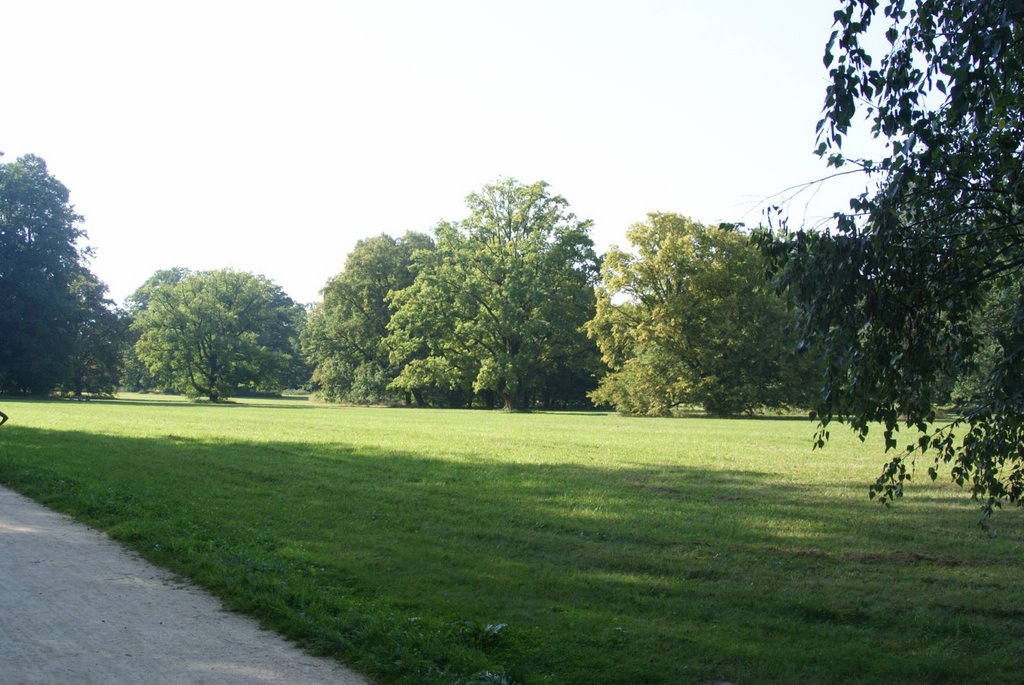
x,y
498,447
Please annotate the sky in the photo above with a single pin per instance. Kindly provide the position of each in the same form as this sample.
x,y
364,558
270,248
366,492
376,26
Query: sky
x,y
271,136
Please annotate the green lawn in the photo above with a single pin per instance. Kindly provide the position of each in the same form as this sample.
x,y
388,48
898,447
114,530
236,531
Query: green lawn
x,y
426,546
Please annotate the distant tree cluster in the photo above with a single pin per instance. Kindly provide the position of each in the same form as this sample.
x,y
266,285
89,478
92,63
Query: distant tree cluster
x,y
510,308
488,311
507,308
212,334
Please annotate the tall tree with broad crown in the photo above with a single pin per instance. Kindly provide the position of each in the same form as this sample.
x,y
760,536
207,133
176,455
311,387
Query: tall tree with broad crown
x,y
212,333
685,318
40,263
501,301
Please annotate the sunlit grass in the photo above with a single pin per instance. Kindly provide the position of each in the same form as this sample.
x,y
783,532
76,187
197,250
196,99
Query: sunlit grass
x,y
442,546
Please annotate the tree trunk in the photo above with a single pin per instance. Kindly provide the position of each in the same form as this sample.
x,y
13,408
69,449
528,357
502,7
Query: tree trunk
x,y
513,401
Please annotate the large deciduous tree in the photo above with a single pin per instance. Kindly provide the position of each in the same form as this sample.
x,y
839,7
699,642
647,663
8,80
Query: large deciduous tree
x,y
685,318
344,337
48,298
216,332
497,307
897,295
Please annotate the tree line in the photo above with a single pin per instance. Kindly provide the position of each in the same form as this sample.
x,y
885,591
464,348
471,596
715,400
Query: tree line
x,y
509,307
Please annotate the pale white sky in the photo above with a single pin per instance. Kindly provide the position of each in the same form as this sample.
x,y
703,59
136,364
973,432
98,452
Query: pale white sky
x,y
271,136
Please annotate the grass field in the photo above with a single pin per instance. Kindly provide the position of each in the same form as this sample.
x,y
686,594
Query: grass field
x,y
480,547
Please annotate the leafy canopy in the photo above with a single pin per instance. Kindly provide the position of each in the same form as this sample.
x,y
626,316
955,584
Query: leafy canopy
x,y
344,337
99,340
212,333
684,319
497,308
898,296
53,314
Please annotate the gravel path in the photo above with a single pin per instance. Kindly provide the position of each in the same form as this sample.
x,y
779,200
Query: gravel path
x,y
77,608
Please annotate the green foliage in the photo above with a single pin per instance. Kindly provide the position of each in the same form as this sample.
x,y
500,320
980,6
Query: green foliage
x,y
139,300
1001,302
344,338
497,308
39,261
283,338
135,375
99,341
891,296
217,332
612,550
685,319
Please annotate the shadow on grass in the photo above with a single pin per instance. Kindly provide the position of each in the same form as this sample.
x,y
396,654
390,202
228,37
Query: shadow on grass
x,y
426,570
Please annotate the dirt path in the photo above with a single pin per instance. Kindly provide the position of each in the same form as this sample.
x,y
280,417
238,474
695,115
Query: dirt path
x,y
77,608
